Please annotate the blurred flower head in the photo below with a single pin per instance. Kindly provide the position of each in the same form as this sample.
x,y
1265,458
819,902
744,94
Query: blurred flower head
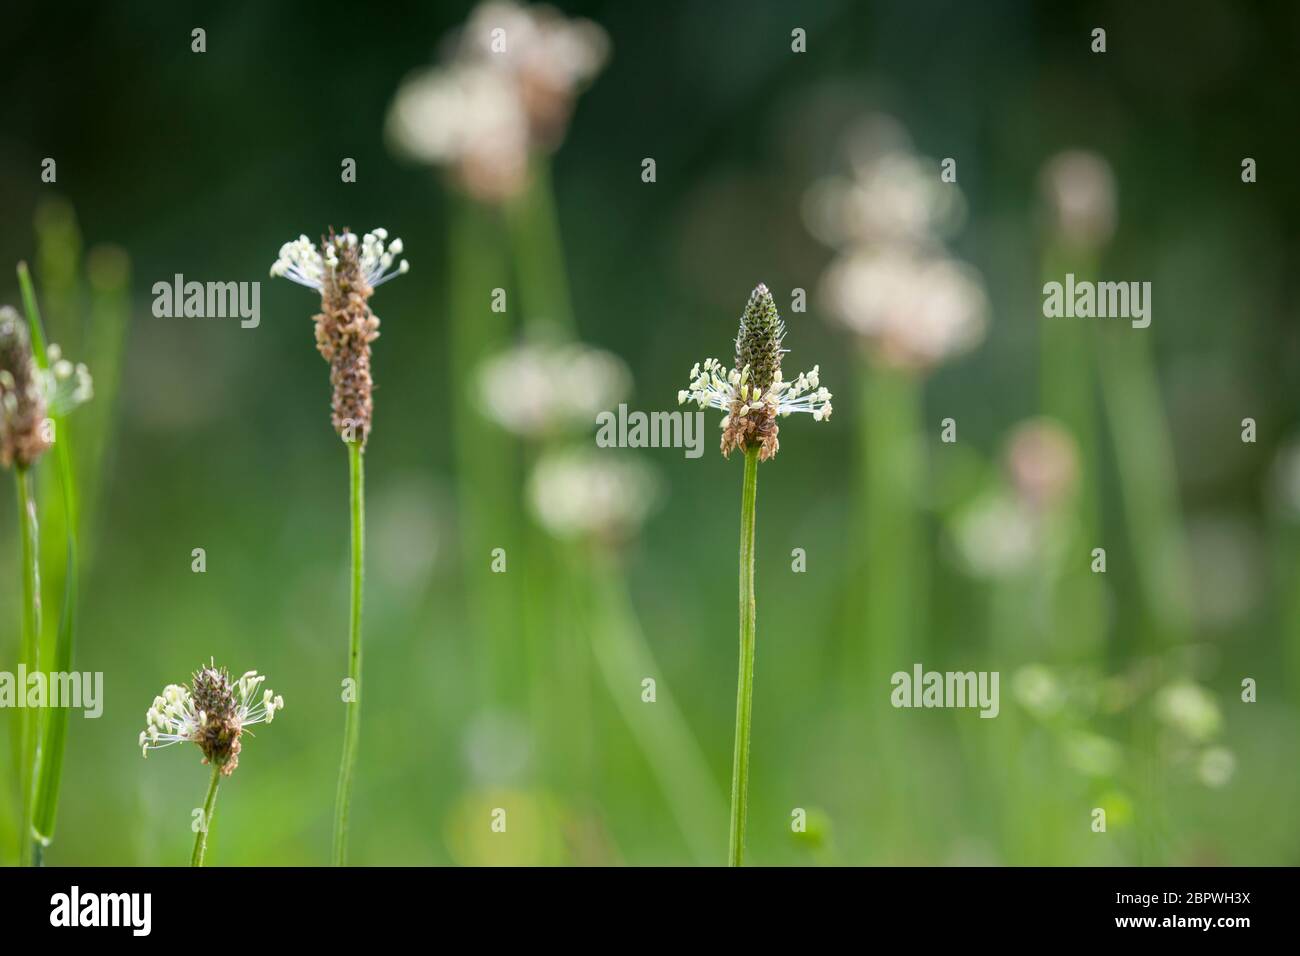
x,y
28,393
895,197
549,57
590,495
913,310
754,394
1216,766
1042,461
507,89
212,713
1038,690
1079,189
996,536
1189,709
468,118
535,390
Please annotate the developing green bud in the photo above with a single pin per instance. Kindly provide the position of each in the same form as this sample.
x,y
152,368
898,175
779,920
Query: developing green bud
x,y
758,343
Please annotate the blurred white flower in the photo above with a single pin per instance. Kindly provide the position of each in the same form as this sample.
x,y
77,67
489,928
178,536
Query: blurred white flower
x,y
1092,754
585,494
897,197
995,536
469,118
550,58
507,89
1189,709
1216,766
534,390
1079,188
1038,690
914,310
1042,461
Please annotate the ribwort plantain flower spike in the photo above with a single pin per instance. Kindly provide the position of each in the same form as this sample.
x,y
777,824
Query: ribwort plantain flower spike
x,y
28,393
212,712
345,271
754,393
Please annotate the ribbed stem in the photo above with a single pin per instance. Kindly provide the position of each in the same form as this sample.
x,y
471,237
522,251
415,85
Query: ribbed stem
x,y
209,806
352,726
29,720
745,681
50,776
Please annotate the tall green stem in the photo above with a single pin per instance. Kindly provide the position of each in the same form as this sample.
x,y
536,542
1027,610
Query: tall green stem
x,y
209,806
50,773
52,741
538,253
352,727
29,534
745,682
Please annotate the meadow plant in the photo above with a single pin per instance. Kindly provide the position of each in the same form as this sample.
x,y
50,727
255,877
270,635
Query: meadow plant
x,y
754,396
212,712
345,271
38,387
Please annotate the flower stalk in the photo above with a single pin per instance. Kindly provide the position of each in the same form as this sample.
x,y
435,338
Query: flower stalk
x,y
745,680
209,808
352,725
754,395
212,712
29,535
345,271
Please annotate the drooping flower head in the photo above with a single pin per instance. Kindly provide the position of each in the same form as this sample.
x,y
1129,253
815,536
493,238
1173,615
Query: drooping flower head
x,y
29,393
539,390
505,91
583,495
754,394
1079,187
211,712
345,271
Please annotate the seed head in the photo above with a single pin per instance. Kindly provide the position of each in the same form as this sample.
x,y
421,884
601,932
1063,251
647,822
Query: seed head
x,y
345,272
22,398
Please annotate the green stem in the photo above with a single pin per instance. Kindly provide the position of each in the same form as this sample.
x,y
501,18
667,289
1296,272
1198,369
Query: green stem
x,y
486,459
352,727
539,257
53,739
745,682
31,648
209,806
56,725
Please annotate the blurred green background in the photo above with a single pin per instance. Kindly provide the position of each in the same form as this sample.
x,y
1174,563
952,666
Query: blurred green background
x,y
1119,691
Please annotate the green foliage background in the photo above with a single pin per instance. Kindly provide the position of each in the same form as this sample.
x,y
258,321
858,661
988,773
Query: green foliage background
x,y
205,164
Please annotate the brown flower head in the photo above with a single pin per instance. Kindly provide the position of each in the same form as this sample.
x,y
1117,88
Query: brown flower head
x,y
22,397
345,271
212,712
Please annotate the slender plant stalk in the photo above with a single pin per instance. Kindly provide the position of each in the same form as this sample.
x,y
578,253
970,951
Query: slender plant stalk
x,y
29,534
53,739
352,728
745,681
538,253
209,807
486,457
